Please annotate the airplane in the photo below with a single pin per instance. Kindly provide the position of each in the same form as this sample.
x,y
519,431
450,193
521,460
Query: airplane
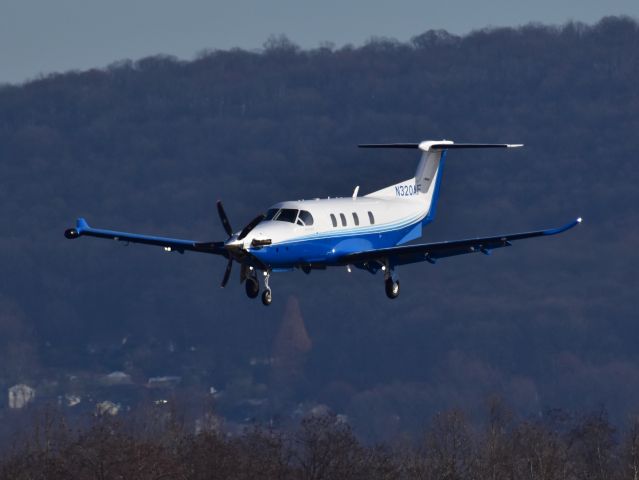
x,y
365,232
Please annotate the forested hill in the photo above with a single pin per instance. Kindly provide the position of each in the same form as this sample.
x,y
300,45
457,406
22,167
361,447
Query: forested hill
x,y
150,145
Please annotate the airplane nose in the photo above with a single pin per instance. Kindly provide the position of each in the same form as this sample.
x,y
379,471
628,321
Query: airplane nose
x,y
259,238
234,243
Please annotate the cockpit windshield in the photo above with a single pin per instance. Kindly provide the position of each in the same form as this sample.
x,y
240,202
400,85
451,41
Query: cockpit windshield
x,y
289,215
286,215
282,214
271,213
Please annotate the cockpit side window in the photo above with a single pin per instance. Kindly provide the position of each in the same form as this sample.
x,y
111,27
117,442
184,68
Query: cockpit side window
x,y
271,213
286,215
306,217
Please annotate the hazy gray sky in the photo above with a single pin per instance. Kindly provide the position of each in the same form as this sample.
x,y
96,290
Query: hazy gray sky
x,y
43,36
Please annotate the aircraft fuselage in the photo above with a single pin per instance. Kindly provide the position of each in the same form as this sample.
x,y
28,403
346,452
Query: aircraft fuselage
x,y
320,231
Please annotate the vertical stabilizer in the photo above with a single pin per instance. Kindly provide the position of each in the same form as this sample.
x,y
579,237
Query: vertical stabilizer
x,y
424,186
428,175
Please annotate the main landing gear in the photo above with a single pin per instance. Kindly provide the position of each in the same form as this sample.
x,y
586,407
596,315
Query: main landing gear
x,y
392,288
391,282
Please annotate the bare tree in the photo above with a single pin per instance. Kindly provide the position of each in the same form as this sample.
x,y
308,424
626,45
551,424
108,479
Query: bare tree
x,y
264,454
539,453
325,447
495,454
449,447
630,451
592,445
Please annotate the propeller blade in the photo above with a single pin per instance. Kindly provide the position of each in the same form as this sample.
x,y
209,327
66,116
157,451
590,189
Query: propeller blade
x,y
245,231
227,273
225,220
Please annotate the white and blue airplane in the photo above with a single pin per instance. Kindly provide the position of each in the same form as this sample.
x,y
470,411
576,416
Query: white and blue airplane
x,y
367,232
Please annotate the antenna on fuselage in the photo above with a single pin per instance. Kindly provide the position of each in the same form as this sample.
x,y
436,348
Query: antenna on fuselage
x,y
356,191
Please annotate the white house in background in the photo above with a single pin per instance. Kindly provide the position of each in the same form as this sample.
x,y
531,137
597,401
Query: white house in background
x,y
116,378
72,400
20,395
107,408
168,381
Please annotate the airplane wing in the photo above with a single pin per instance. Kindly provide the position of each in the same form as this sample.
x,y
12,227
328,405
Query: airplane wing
x,y
82,228
431,252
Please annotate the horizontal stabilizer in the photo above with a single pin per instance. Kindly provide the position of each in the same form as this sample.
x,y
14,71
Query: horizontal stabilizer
x,y
439,145
389,145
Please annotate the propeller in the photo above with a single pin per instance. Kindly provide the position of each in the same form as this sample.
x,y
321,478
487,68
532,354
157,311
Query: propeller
x,y
234,250
227,273
252,224
225,220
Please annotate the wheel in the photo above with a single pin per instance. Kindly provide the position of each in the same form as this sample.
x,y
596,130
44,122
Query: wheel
x,y
267,297
252,287
392,288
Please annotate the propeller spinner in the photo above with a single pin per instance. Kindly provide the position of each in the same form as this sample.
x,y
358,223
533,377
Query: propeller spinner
x,y
233,246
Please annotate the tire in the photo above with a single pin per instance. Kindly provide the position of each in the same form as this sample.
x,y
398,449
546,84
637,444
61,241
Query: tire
x,y
267,297
392,288
252,288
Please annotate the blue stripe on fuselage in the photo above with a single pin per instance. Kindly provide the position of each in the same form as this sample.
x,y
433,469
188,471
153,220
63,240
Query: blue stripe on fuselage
x,y
327,250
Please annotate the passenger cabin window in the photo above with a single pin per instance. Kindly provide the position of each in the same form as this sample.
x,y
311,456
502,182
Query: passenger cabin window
x,y
343,218
305,217
333,220
371,218
355,219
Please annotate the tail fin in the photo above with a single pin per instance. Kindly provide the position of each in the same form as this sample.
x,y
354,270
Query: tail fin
x,y
428,177
424,186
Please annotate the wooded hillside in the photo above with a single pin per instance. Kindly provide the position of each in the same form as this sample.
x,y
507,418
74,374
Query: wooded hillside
x,y
150,145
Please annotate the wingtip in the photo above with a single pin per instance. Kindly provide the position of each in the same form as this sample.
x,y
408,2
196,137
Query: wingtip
x,y
71,233
568,226
80,226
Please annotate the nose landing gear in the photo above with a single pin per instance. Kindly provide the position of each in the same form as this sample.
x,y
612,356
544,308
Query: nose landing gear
x,y
252,287
267,296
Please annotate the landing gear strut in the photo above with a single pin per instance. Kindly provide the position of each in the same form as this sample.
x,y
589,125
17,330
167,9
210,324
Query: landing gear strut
x,y
391,282
267,296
